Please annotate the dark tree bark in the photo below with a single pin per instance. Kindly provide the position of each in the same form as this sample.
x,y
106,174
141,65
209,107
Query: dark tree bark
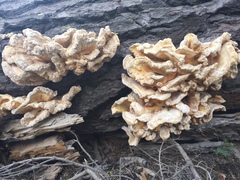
x,y
134,21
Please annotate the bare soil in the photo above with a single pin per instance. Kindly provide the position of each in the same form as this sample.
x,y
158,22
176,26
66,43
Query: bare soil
x,y
150,160
219,162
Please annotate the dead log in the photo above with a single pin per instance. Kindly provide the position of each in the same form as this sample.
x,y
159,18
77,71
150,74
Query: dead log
x,y
222,126
134,21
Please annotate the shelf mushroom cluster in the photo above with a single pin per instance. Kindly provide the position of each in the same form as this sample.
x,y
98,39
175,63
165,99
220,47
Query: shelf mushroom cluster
x,y
170,86
39,104
33,59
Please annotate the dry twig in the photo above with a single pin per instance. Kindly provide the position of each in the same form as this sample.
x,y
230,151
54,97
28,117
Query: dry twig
x,y
188,161
78,175
16,169
159,160
80,145
19,168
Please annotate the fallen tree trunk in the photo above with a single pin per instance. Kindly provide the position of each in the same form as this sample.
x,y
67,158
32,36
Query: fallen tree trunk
x,y
134,21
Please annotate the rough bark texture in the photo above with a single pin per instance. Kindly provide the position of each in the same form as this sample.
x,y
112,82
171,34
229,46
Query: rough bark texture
x,y
134,21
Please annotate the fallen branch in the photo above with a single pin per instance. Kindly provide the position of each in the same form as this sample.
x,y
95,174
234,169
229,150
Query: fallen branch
x,y
188,161
19,168
159,160
149,171
131,160
202,147
204,169
80,145
93,173
127,161
16,169
178,171
79,175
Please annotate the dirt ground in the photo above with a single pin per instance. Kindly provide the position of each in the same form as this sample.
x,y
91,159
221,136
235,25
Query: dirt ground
x,y
149,160
220,162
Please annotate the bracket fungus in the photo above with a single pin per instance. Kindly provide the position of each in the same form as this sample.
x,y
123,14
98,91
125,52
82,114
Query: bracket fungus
x,y
32,59
37,105
170,86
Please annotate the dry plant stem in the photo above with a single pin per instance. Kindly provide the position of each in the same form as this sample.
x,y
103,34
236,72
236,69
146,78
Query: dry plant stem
x,y
236,154
120,168
34,175
24,170
93,174
159,160
168,147
80,145
188,161
130,172
149,171
16,168
147,154
99,171
8,172
97,154
139,176
144,172
79,175
123,176
207,172
178,171
132,160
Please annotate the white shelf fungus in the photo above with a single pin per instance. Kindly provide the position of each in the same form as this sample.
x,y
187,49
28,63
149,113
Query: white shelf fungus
x,y
37,105
32,59
170,85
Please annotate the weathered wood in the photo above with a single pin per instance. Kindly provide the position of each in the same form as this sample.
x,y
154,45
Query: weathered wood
x,y
50,146
223,126
201,147
134,21
18,137
50,172
14,131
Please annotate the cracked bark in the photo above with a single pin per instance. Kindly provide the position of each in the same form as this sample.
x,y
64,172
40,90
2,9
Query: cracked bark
x,y
134,21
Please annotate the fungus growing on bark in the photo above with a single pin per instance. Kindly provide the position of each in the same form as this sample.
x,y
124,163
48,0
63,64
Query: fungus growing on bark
x,y
33,59
37,105
170,85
